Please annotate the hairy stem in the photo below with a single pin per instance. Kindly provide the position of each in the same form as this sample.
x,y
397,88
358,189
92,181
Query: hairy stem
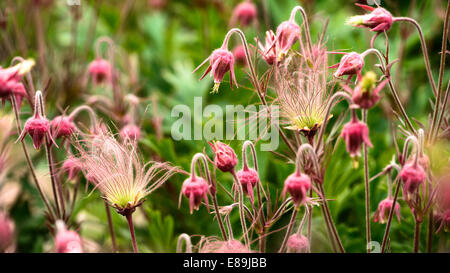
x,y
129,217
111,227
391,214
367,188
241,207
416,236
289,229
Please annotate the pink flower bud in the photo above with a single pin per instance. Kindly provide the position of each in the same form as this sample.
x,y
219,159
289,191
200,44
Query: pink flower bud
x,y
37,127
384,207
351,63
10,85
67,241
239,54
366,93
230,246
298,243
7,237
297,184
195,188
225,159
248,178
72,166
288,32
245,13
378,20
413,175
131,132
62,126
100,70
355,133
268,50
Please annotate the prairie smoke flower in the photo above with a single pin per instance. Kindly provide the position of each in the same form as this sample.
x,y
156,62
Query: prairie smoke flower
x,y
116,170
382,213
248,178
225,158
62,127
245,13
355,133
303,93
268,50
213,245
445,221
378,20
221,61
366,93
38,126
10,81
72,167
195,188
100,71
131,132
6,233
298,243
67,241
412,175
351,63
288,32
239,54
297,184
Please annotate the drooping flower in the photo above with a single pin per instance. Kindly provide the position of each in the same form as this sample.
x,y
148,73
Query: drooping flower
x,y
10,84
351,64
288,32
38,126
221,61
268,50
62,127
355,133
245,13
297,185
225,158
196,189
413,176
72,167
366,93
384,207
67,241
7,238
445,221
298,243
248,178
100,71
131,132
117,171
378,20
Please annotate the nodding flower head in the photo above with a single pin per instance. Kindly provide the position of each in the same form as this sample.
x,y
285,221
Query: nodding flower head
x,y
100,71
445,221
116,170
351,63
297,185
67,241
378,20
72,166
225,158
221,61
384,207
366,94
248,178
298,243
355,133
7,237
288,32
195,188
214,245
245,13
412,175
131,132
38,126
10,84
62,127
268,50
239,55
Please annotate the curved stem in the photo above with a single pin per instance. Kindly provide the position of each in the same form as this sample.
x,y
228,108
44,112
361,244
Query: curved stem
x,y
305,20
91,112
367,188
288,231
330,219
56,184
133,236
241,207
111,227
184,238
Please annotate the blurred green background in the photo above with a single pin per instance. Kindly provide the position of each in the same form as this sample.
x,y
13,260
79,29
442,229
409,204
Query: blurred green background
x,y
164,44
